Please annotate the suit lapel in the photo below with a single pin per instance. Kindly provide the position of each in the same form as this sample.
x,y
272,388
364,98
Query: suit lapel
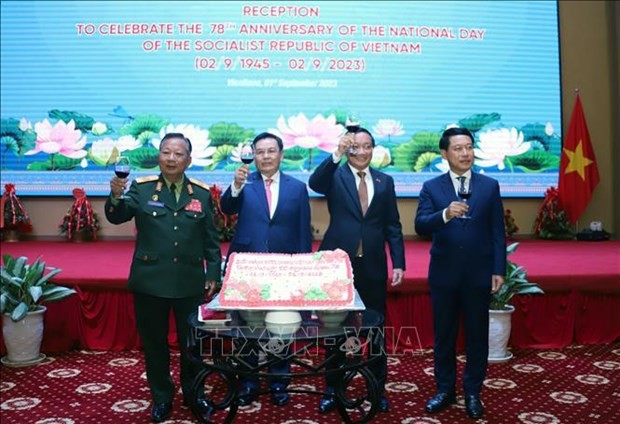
x,y
258,186
378,185
348,180
448,188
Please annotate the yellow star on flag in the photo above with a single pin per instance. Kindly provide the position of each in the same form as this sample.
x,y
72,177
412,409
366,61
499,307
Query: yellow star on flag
x,y
577,161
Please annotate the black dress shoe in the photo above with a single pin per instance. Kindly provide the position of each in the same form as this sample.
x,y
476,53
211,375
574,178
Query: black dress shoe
x,y
384,405
439,402
280,399
204,407
327,404
246,396
161,412
473,406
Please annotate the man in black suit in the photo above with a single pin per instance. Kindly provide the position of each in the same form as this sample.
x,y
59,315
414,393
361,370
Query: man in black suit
x,y
176,238
468,262
363,218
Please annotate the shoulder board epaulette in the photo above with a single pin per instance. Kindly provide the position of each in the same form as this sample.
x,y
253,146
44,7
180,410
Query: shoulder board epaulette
x,y
199,183
148,179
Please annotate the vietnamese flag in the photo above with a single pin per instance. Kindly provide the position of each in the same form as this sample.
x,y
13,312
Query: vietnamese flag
x,y
578,171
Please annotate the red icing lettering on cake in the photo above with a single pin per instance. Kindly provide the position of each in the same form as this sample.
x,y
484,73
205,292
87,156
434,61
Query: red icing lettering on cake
x,y
275,280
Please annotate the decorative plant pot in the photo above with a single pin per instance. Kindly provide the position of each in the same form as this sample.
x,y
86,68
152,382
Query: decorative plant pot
x,y
81,237
10,235
500,325
23,339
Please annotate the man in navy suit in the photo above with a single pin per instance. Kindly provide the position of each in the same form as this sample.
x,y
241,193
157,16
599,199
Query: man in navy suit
x,y
361,225
274,216
468,262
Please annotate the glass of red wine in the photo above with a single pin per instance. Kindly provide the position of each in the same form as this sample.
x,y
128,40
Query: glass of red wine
x,y
353,129
464,194
122,168
247,156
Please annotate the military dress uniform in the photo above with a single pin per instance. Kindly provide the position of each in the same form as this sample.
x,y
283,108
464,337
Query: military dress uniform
x,y
174,239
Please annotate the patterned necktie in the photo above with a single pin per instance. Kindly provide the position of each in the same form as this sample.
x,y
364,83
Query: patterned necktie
x,y
268,182
363,192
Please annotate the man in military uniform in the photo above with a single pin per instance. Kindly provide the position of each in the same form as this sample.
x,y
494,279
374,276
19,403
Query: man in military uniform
x,y
175,237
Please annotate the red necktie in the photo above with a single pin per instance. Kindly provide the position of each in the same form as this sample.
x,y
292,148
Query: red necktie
x,y
268,182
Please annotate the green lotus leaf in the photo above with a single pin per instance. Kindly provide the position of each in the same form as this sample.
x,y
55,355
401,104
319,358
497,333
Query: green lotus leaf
x,y
232,166
293,165
13,139
230,134
82,122
477,121
222,153
405,156
143,158
296,153
341,115
402,157
536,161
55,163
8,143
424,161
143,127
536,132
40,166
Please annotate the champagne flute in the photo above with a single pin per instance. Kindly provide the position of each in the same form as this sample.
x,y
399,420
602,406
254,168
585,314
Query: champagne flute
x,y
122,169
247,156
464,194
353,129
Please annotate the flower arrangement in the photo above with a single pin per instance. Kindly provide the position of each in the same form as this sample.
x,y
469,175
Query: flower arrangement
x,y
14,216
225,224
80,218
551,220
510,225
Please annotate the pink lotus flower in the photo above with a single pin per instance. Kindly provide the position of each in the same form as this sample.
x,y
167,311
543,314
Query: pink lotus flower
x,y
61,138
322,133
387,128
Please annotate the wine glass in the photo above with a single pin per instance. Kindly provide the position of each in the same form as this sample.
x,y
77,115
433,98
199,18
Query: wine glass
x,y
352,128
464,193
247,156
122,169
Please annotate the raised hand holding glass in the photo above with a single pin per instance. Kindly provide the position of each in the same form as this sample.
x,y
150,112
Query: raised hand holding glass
x,y
247,156
122,168
464,193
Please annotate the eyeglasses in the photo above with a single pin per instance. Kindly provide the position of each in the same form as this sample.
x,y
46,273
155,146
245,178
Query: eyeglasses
x,y
268,152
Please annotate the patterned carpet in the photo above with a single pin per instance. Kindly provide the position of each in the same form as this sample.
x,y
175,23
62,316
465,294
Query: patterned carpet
x,y
579,384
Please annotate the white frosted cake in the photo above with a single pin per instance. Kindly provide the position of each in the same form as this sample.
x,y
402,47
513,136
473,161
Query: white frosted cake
x,y
320,280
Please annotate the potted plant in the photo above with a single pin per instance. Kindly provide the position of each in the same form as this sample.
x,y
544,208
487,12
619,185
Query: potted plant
x,y
13,219
551,220
500,309
80,223
24,288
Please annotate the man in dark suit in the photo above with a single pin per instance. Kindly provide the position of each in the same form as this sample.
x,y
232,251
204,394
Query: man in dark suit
x,y
363,218
175,237
468,262
274,216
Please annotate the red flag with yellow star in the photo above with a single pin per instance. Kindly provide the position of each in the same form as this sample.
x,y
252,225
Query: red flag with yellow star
x,y
578,171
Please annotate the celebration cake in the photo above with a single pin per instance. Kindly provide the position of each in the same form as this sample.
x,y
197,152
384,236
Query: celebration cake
x,y
320,280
